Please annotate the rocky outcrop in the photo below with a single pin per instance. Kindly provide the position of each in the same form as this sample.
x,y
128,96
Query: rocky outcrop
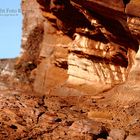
x,y
73,47
78,46
7,73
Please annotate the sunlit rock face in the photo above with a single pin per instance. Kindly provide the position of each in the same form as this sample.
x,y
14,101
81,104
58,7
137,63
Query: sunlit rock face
x,y
77,44
93,62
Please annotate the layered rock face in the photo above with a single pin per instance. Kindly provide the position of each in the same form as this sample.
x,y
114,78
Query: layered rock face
x,y
78,45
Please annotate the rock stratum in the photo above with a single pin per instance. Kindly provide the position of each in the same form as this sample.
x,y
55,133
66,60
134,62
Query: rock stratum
x,y
86,44
77,77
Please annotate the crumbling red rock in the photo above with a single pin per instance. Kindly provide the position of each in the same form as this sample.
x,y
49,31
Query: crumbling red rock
x,y
131,137
117,134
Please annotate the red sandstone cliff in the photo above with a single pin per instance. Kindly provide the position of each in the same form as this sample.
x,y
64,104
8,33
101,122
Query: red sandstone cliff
x,y
78,45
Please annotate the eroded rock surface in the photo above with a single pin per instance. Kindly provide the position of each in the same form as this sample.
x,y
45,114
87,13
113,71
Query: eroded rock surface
x,y
25,115
78,45
77,49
